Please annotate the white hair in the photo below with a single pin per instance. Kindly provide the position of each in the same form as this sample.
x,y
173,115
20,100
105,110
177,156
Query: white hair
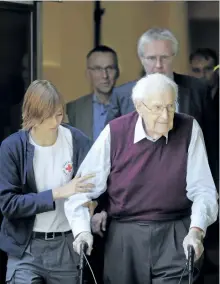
x,y
156,34
151,84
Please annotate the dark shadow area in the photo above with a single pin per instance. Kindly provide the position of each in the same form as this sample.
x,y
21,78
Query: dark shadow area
x,y
17,70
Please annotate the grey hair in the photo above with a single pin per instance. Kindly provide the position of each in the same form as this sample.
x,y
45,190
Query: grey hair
x,y
151,84
156,34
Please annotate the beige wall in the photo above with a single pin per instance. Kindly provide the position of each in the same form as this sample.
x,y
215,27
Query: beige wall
x,y
131,19
68,35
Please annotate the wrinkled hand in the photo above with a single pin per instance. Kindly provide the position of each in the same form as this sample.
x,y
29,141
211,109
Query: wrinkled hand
x,y
79,183
194,238
98,223
83,237
91,206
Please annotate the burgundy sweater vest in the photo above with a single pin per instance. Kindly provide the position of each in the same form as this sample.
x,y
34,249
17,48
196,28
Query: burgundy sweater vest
x,y
148,179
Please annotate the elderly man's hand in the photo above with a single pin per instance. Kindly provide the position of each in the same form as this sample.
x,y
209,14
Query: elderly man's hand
x,y
194,238
91,206
84,237
98,223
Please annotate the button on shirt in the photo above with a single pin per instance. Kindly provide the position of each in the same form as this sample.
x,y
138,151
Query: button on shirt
x,y
99,116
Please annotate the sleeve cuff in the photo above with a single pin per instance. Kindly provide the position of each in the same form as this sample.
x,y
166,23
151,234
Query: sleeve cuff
x,y
79,227
201,224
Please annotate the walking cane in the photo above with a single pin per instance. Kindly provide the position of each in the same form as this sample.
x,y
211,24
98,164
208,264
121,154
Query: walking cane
x,y
83,249
191,254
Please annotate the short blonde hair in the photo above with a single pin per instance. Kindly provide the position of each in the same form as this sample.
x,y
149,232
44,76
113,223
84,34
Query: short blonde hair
x,y
41,101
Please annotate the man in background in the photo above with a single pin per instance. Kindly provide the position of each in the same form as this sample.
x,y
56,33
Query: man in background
x,y
203,62
88,113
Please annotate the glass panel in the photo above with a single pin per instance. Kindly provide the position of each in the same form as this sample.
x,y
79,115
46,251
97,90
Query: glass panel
x,y
15,67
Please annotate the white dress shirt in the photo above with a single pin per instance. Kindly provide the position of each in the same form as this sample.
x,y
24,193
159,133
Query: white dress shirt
x,y
200,187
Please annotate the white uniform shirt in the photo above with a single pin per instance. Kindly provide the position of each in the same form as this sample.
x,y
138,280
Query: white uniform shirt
x,y
53,168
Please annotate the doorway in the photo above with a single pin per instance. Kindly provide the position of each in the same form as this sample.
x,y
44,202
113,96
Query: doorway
x,y
17,61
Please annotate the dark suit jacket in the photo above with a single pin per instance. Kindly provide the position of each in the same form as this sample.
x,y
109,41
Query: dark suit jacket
x,y
213,144
194,99
80,114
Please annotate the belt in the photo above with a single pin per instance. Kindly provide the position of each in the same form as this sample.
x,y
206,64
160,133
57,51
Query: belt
x,y
49,236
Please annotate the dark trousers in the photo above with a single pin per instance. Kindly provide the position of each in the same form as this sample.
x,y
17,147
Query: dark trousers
x,y
146,253
211,257
96,261
45,262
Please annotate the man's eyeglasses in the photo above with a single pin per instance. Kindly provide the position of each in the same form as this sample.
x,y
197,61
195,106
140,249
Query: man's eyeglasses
x,y
152,60
158,109
99,69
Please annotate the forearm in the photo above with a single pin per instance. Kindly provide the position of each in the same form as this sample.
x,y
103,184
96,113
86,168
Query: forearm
x,y
97,161
200,186
15,206
204,211
77,215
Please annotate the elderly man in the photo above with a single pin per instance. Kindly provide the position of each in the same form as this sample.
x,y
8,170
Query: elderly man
x,y
161,195
157,49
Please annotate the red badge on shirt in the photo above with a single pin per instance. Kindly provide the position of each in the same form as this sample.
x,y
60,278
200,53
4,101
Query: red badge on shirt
x,y
68,168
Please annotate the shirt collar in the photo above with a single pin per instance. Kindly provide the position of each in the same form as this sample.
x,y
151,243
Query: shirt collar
x,y
96,100
171,76
140,134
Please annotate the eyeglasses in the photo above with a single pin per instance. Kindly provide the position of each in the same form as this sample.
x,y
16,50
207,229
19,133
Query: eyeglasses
x,y
152,60
158,109
99,69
